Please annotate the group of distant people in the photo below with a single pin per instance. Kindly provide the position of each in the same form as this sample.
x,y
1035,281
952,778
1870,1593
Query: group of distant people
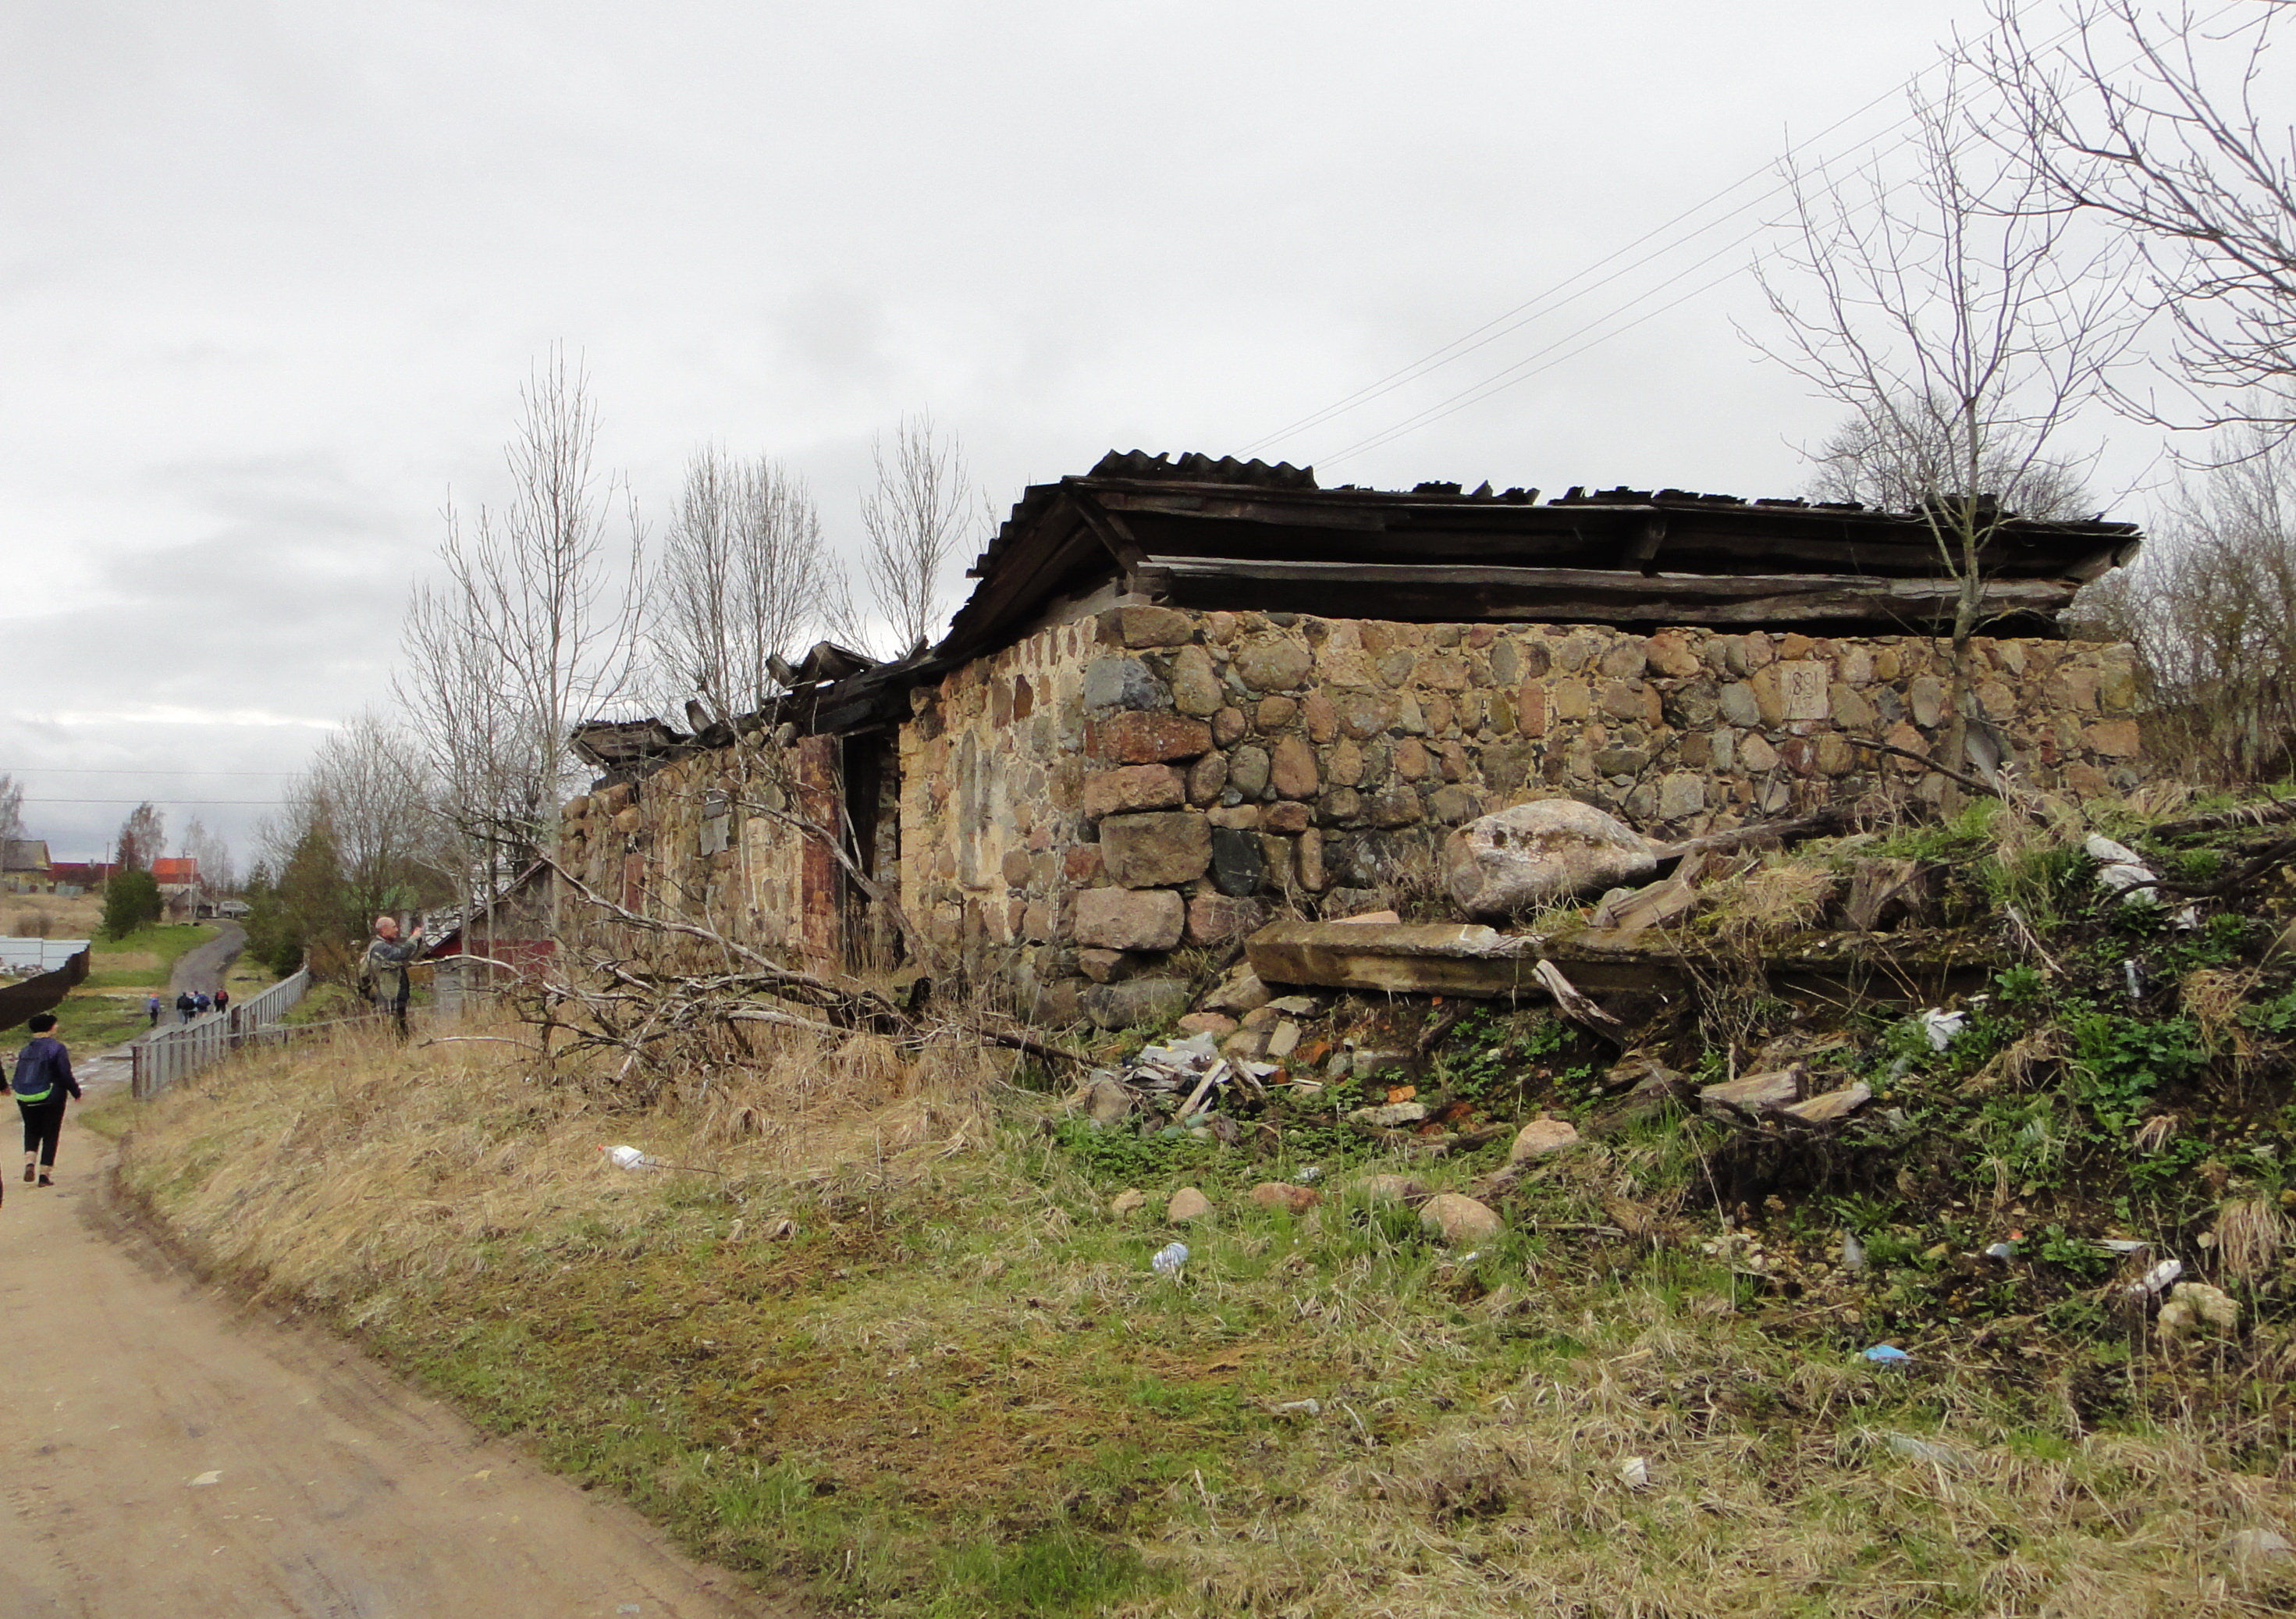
x,y
190,1004
42,1080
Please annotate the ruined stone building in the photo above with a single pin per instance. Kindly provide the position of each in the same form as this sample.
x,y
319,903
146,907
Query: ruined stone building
x,y
1186,697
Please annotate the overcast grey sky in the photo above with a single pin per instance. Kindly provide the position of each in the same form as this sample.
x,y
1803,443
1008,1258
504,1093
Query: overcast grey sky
x,y
270,277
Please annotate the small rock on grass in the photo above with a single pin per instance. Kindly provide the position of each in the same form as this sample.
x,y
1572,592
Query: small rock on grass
x,y
2256,1545
1541,1137
2194,1306
1126,1202
1187,1203
1239,992
1214,1023
1394,1189
1283,1195
1458,1219
1390,1115
1106,1101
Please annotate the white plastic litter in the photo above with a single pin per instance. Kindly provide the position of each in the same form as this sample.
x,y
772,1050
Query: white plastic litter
x,y
2122,1244
1853,1251
1300,1407
1634,1473
2123,870
1929,1450
1168,1260
2001,1251
2158,1278
1943,1028
2133,976
1310,1175
628,1158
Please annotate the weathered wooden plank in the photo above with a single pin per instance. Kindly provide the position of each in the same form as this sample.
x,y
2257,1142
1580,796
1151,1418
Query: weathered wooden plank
x,y
1598,595
1479,963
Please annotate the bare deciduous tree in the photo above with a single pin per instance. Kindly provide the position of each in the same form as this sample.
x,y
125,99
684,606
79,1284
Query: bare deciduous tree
x,y
2149,117
211,855
742,574
12,807
922,509
366,784
1960,322
2210,608
142,836
1854,464
533,629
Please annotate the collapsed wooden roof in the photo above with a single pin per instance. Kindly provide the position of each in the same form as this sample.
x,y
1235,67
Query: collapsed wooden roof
x,y
1244,535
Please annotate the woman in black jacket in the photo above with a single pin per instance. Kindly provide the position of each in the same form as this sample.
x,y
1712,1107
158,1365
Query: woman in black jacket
x,y
42,1080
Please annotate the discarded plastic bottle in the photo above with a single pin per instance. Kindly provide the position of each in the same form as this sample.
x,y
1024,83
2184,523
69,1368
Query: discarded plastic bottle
x,y
628,1158
2158,1279
1886,1354
1853,1251
1169,1259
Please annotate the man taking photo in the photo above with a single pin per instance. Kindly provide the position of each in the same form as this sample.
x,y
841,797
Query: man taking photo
x,y
383,975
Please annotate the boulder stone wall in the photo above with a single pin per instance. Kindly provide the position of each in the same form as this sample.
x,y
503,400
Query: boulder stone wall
x,y
1077,807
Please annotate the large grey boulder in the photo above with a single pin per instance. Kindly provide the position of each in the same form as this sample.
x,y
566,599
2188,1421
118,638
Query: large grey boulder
x,y
1543,853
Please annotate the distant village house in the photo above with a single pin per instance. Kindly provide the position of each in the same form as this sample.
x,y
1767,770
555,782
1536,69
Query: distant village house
x,y
25,867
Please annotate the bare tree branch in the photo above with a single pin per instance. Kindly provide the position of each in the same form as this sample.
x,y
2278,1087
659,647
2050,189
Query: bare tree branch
x,y
923,507
1961,322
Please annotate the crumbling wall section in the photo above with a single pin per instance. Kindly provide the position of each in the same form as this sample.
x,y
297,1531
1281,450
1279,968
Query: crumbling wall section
x,y
687,841
1082,805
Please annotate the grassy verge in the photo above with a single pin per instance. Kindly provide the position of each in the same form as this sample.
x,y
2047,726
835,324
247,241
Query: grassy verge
x,y
899,1351
145,957
89,1021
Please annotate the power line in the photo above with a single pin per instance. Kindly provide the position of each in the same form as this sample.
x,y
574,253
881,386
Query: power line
x,y
1499,383
173,803
1503,324
1506,323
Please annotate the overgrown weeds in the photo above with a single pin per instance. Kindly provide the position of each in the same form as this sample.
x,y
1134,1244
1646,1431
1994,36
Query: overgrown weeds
x,y
883,1334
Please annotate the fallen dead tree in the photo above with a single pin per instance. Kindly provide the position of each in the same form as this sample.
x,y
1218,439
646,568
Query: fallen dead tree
x,y
686,1002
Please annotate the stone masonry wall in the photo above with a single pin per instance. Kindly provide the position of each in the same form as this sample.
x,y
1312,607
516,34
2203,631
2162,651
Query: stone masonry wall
x,y
678,843
1078,806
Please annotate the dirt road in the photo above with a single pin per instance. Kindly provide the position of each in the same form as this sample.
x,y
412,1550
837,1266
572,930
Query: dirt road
x,y
165,1453
204,966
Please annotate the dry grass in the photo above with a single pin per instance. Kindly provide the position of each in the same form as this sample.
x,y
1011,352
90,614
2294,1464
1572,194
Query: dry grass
x,y
2252,1237
2214,997
1785,895
960,1366
318,1168
2021,1064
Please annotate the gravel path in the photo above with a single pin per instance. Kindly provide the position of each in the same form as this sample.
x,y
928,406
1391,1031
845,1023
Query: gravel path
x,y
170,1452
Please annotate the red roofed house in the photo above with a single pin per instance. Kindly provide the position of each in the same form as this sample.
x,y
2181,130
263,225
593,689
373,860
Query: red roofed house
x,y
81,876
179,886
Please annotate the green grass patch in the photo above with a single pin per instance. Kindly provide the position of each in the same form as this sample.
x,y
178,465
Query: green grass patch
x,y
145,957
89,1022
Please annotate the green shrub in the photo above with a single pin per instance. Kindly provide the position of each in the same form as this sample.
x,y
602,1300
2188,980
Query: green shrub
x,y
130,900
